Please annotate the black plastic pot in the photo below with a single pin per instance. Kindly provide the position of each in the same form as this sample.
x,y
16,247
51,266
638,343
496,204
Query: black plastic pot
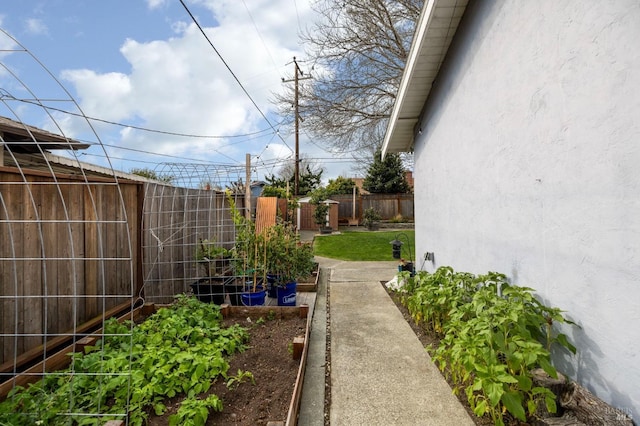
x,y
272,283
234,289
408,267
209,290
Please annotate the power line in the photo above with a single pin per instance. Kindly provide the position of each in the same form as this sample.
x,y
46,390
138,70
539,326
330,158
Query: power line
x,y
259,34
298,75
295,4
193,18
6,95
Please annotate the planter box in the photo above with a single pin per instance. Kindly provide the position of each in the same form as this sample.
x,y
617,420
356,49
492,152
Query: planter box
x,y
310,284
61,359
300,344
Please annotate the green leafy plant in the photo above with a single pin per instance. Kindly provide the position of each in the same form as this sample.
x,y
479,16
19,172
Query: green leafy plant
x,y
399,219
321,208
248,250
285,256
493,335
195,412
320,214
371,217
276,250
178,350
241,377
213,257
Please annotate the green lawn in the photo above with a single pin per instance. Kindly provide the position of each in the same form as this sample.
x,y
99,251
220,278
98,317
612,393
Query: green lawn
x,y
359,245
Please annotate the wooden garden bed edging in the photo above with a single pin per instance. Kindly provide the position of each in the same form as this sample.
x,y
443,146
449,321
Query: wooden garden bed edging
x,y
310,286
302,311
60,358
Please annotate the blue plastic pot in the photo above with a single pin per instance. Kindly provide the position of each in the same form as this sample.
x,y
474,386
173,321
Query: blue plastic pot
x,y
287,294
254,298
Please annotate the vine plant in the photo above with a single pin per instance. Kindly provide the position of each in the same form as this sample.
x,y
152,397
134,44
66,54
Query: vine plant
x,y
492,334
178,350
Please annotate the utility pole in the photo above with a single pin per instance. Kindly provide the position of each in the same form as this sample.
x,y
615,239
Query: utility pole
x,y
298,75
247,186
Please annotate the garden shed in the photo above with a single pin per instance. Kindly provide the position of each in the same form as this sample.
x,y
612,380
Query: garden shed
x,y
306,209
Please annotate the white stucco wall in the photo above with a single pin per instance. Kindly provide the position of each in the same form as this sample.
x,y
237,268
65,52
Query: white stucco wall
x,y
528,163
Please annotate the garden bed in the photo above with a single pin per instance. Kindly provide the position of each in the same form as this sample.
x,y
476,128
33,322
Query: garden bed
x,y
273,358
269,358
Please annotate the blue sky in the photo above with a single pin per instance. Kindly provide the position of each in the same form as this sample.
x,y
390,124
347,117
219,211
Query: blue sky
x,y
144,63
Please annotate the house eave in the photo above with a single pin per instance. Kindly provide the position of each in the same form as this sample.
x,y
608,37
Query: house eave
x,y
435,30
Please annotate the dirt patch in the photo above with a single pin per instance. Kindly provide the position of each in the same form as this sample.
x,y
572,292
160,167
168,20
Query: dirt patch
x,y
270,361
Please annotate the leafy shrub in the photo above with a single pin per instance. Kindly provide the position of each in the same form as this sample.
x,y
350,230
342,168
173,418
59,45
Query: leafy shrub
x,y
492,335
370,217
399,219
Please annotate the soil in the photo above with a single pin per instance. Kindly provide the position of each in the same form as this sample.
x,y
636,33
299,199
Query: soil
x,y
269,358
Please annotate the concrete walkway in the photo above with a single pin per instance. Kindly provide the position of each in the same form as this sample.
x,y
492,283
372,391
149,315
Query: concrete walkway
x,y
380,373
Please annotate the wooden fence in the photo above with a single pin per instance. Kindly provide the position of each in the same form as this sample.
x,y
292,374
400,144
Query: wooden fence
x,y
69,250
388,205
306,221
73,248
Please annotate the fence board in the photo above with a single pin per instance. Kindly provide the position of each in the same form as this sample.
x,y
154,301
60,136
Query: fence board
x,y
266,210
30,307
388,205
56,261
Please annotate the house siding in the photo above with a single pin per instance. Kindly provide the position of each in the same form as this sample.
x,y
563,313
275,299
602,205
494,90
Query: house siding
x,y
527,162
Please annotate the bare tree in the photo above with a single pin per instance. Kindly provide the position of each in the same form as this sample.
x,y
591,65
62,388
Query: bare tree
x,y
359,49
286,170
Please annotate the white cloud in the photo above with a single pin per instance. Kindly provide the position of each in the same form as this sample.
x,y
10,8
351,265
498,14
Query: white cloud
x,y
36,26
180,85
102,95
154,4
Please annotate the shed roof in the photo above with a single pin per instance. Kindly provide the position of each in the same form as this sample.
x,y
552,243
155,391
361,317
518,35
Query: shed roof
x,y
308,200
436,27
31,139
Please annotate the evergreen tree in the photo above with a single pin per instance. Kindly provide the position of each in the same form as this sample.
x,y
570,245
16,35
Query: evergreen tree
x,y
386,176
341,185
309,180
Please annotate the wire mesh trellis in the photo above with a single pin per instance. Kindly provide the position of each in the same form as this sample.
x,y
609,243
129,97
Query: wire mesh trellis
x,y
80,244
67,240
186,219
